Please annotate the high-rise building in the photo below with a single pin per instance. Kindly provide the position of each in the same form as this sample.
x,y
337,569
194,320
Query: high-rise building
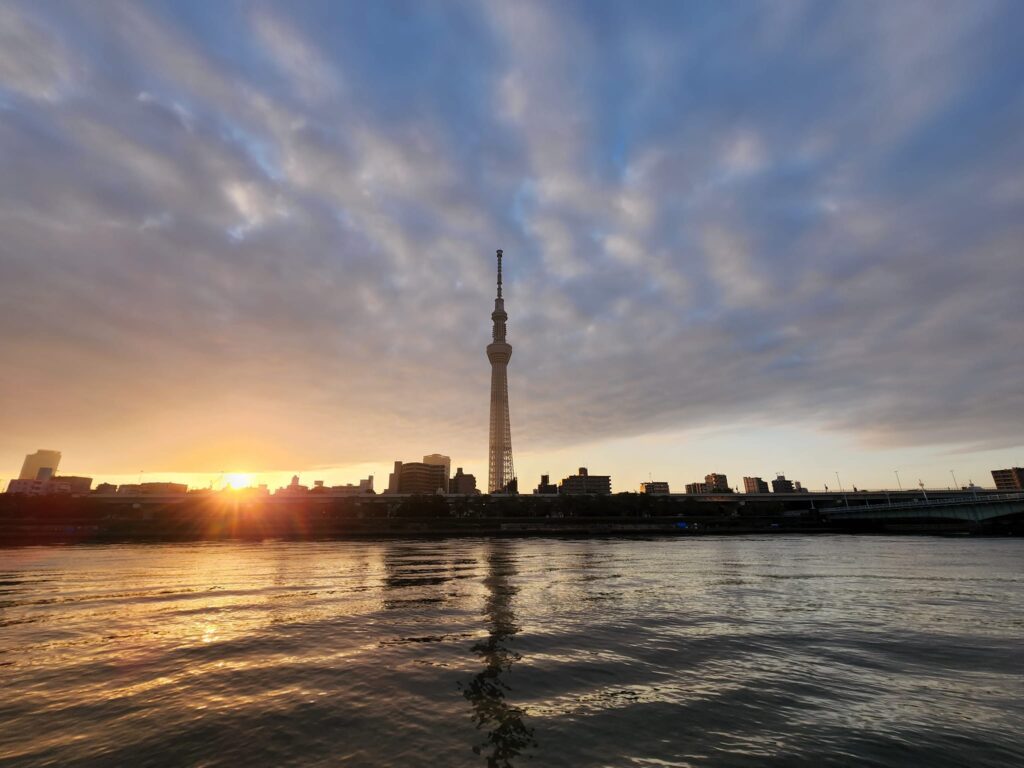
x,y
717,483
500,472
584,482
654,488
41,465
697,488
441,461
754,485
462,483
1009,479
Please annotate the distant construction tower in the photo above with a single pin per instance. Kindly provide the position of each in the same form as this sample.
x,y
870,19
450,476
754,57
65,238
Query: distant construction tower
x,y
501,476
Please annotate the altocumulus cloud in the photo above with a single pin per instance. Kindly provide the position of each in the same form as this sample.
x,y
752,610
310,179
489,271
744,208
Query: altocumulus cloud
x,y
264,233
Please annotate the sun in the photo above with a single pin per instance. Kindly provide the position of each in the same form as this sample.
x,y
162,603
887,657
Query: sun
x,y
237,480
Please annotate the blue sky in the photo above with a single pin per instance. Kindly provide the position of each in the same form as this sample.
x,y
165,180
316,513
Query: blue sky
x,y
744,237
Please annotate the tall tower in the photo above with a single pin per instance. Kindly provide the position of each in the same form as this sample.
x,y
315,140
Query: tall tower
x,y
500,474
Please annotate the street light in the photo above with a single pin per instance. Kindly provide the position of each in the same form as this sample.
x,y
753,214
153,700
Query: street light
x,y
956,487
845,499
898,479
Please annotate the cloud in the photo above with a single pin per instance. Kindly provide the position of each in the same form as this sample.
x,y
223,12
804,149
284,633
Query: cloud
x,y
279,244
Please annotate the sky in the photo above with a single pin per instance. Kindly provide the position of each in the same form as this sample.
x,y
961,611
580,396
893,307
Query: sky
x,y
740,237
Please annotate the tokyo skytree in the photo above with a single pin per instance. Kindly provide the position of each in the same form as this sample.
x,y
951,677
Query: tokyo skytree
x,y
500,475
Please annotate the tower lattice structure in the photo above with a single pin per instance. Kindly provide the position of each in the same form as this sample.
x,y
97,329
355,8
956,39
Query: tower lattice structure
x,y
500,474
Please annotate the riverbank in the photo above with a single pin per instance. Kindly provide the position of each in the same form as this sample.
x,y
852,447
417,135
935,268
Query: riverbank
x,y
43,520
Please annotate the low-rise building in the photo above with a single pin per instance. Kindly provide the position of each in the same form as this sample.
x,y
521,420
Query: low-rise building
x,y
1011,479
655,488
697,488
349,489
545,487
51,486
754,485
152,489
461,483
717,483
781,485
586,483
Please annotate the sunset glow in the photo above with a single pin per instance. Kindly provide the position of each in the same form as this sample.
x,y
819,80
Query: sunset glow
x,y
237,480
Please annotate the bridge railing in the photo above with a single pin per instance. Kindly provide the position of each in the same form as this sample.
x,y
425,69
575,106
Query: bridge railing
x,y
987,498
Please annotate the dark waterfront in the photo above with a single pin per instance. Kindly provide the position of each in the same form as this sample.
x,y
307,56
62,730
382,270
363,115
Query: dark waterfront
x,y
785,650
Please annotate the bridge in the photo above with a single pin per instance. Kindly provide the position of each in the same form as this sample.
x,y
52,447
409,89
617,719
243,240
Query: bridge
x,y
974,508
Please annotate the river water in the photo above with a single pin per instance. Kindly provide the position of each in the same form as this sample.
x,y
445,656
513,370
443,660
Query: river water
x,y
729,651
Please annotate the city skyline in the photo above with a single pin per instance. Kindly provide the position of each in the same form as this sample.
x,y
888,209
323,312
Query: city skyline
x,y
272,257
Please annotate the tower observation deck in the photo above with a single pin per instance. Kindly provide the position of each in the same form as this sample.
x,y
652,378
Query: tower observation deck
x,y
500,474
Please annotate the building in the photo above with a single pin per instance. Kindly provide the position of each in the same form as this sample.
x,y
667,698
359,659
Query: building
x,y
462,484
294,488
152,489
697,488
654,488
500,472
105,489
781,485
717,483
754,485
545,487
584,482
1009,479
443,461
417,477
41,465
75,485
349,489
60,485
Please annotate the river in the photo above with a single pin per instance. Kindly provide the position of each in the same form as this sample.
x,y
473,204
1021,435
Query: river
x,y
721,651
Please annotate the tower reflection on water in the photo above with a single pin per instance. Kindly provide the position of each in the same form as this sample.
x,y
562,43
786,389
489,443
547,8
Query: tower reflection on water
x,y
507,735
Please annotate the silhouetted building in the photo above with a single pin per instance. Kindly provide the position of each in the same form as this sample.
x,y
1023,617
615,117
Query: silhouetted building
x,y
462,484
754,485
152,489
654,488
41,465
442,461
500,472
51,486
697,488
797,488
1009,479
417,477
60,485
294,488
717,483
27,487
545,487
105,489
74,484
781,485
584,482
349,489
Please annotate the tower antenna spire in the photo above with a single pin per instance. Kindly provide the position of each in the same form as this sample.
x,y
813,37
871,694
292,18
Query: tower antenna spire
x,y
499,272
